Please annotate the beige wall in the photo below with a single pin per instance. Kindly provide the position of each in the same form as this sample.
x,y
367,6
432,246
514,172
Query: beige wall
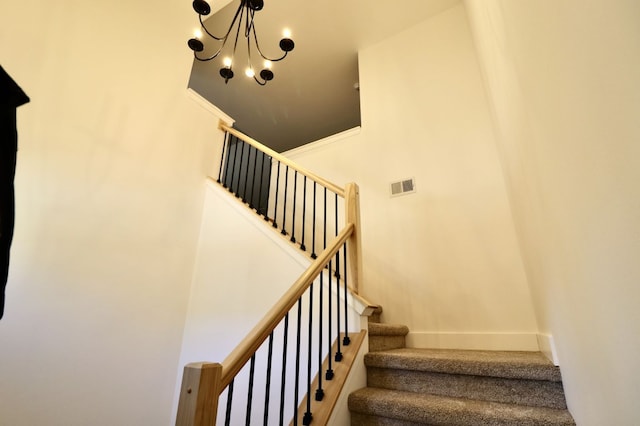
x,y
563,80
445,260
109,194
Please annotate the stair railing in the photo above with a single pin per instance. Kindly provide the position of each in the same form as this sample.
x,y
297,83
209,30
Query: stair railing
x,y
246,169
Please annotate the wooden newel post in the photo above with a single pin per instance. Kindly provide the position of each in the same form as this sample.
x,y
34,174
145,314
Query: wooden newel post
x,y
354,250
198,404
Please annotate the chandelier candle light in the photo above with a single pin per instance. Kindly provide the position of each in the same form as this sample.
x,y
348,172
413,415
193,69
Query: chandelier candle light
x,y
244,17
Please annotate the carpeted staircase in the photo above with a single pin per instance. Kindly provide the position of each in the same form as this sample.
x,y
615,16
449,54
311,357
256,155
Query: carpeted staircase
x,y
452,387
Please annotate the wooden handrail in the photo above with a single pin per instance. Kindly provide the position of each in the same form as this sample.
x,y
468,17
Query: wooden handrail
x,y
250,344
284,160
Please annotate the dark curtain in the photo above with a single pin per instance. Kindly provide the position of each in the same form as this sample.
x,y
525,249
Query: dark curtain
x,y
11,97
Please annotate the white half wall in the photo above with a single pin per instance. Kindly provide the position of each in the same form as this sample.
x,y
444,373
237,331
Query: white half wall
x,y
562,77
110,185
240,272
444,259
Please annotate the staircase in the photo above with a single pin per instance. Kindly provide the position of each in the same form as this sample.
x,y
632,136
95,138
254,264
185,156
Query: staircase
x,y
408,386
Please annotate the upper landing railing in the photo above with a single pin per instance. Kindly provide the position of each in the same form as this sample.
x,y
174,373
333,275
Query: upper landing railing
x,y
302,205
288,359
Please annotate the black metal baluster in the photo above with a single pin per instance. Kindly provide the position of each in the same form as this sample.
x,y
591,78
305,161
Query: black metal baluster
x,y
233,168
240,169
304,211
284,207
320,391
338,356
253,179
227,419
225,179
346,341
284,367
336,230
297,378
329,375
337,275
226,182
246,171
313,225
275,208
308,416
260,190
293,216
267,390
325,220
222,157
250,394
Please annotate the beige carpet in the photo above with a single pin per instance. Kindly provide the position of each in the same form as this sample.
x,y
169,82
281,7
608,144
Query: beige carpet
x,y
453,387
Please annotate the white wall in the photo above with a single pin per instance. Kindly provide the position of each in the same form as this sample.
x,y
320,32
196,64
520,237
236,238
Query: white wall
x,y
109,193
445,260
563,80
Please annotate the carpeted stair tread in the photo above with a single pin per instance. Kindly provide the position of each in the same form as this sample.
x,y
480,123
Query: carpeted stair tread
x,y
383,337
372,406
511,365
380,329
539,393
375,315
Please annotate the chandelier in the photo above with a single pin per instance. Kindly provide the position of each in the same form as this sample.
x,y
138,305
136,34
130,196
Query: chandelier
x,y
242,20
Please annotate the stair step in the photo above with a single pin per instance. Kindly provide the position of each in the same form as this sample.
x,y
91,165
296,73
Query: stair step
x,y
379,329
539,393
509,365
383,337
375,315
372,406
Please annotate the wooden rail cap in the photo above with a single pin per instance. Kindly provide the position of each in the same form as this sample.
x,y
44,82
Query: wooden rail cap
x,y
198,404
284,160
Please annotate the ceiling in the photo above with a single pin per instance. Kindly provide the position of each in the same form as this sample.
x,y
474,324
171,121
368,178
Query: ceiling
x,y
312,95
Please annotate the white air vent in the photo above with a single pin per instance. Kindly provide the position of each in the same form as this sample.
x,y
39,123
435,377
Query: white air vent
x,y
403,187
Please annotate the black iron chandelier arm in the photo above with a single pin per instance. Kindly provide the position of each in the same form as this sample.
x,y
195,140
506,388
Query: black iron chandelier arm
x,y
255,38
235,43
204,27
261,83
249,25
269,74
213,36
209,58
222,39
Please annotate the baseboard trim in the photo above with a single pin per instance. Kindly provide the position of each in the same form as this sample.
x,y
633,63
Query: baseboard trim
x,y
474,341
548,347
